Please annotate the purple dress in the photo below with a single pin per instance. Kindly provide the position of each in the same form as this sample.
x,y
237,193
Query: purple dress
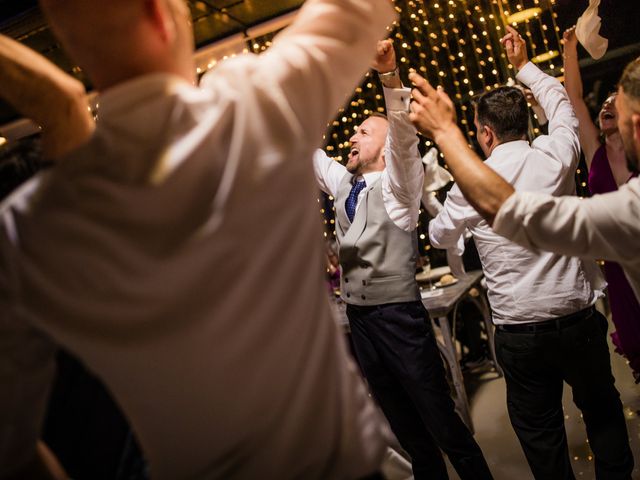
x,y
625,309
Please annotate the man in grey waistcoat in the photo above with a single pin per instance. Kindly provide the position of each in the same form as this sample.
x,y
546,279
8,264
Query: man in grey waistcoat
x,y
377,200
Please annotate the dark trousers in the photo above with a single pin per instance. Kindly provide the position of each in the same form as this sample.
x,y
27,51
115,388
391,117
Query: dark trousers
x,y
397,352
535,365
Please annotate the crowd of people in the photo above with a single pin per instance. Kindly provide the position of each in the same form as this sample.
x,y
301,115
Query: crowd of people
x,y
130,252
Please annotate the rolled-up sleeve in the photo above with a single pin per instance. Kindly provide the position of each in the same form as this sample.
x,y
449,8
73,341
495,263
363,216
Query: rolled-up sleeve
x,y
602,227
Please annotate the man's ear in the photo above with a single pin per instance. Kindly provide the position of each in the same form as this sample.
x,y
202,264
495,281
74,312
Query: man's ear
x,y
383,157
159,14
490,136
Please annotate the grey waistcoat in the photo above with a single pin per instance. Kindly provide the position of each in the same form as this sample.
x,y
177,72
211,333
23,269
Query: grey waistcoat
x,y
378,258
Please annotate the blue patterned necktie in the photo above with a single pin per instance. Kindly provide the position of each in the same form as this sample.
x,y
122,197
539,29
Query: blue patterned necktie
x,y
352,199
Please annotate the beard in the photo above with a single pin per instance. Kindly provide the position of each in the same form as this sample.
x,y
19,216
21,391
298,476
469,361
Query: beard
x,y
355,167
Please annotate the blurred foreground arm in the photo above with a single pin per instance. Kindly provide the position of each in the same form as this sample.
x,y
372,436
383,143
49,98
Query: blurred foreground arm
x,y
42,92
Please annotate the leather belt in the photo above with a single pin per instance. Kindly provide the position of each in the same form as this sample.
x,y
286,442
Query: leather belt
x,y
548,325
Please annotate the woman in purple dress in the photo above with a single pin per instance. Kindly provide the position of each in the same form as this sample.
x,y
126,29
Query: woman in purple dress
x,y
608,170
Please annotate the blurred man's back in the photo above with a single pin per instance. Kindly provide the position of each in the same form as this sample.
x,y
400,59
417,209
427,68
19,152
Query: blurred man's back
x,y
132,252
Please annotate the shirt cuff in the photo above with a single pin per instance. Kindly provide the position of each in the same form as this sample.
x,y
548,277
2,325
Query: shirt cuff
x,y
397,99
528,74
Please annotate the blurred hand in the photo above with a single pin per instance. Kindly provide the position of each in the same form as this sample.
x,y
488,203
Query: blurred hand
x,y
432,111
385,60
570,40
516,48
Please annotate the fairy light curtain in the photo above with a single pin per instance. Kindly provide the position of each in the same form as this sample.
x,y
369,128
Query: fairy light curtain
x,y
456,44
453,43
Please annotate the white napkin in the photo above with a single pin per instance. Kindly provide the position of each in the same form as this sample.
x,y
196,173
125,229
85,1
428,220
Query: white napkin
x,y
435,177
588,31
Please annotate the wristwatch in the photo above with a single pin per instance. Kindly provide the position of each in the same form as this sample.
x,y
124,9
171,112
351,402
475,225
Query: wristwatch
x,y
389,75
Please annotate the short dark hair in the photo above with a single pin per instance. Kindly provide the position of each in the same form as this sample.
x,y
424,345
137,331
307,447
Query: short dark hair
x,y
630,81
505,110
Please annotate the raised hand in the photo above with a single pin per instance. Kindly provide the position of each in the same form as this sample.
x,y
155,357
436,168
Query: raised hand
x,y
516,48
570,40
432,111
385,60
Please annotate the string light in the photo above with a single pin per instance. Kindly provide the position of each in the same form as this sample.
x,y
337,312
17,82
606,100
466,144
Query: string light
x,y
452,43
456,44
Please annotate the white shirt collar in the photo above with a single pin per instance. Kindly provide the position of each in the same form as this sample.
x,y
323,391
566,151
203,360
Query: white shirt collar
x,y
505,150
370,177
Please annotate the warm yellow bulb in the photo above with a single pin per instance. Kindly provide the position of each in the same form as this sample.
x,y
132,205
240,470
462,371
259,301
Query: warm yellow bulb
x,y
543,57
524,15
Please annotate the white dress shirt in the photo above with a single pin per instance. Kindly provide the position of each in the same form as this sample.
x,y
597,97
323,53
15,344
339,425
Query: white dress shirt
x,y
604,226
403,176
179,255
525,286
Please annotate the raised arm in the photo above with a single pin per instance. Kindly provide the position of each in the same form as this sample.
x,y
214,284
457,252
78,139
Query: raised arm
x,y
386,65
321,57
403,176
589,134
562,142
327,171
603,226
42,92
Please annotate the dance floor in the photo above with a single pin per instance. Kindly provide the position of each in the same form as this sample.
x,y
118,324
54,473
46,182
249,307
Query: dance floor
x,y
499,442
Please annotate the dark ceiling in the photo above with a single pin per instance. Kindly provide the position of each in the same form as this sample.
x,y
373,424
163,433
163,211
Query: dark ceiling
x,y
620,19
213,20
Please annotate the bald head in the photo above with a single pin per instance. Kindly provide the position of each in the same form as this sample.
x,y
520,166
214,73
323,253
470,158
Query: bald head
x,y
367,146
116,40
